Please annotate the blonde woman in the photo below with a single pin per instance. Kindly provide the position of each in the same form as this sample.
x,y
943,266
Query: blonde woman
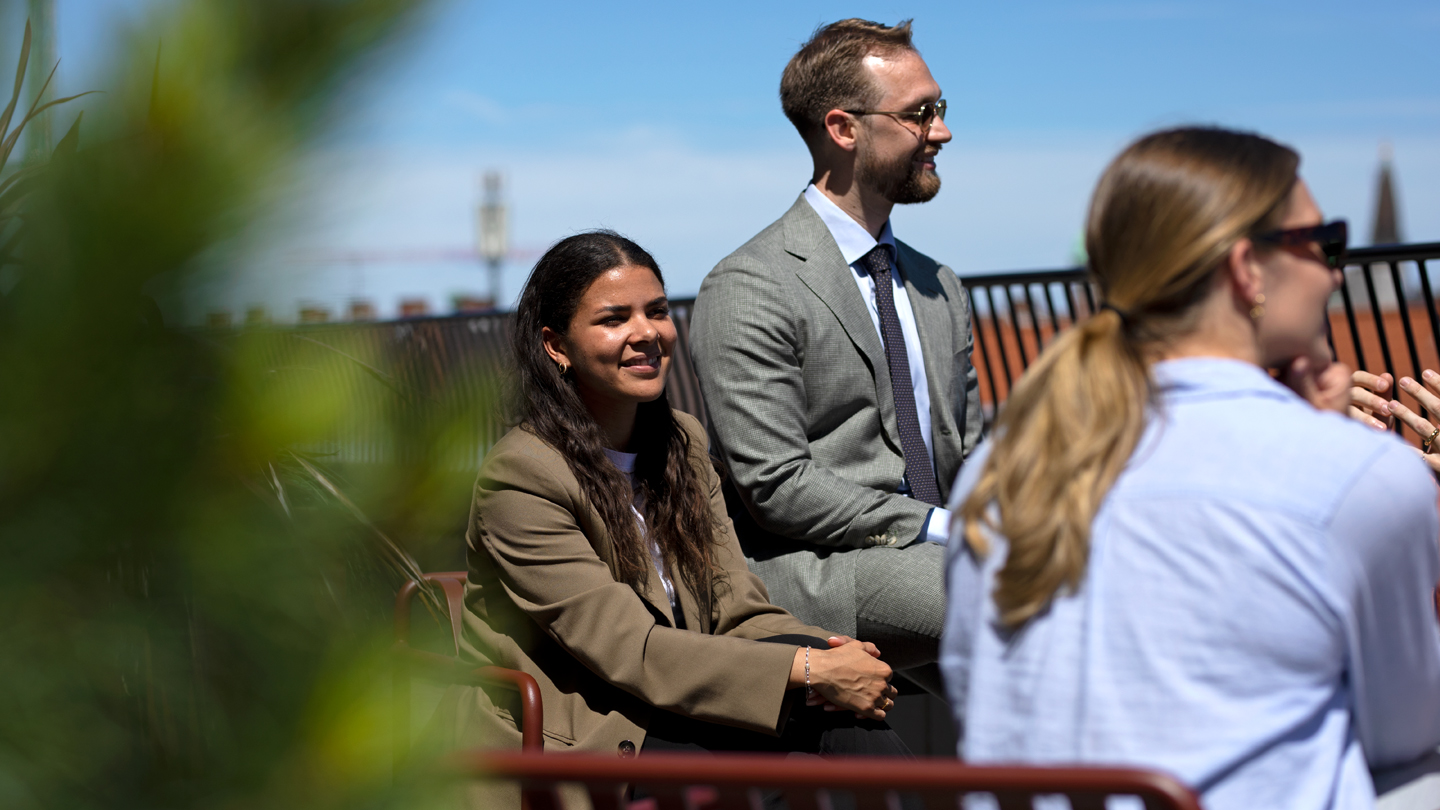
x,y
1177,561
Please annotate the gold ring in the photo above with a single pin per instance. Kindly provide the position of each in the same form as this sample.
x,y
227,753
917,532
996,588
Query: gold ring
x,y
1425,445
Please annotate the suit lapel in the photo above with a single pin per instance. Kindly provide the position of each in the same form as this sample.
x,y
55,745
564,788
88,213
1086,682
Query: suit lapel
x,y
937,339
827,275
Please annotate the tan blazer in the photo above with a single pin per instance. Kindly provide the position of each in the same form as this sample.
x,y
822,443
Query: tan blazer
x,y
542,598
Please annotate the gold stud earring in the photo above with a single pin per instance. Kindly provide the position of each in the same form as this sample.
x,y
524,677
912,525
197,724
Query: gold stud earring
x,y
1258,311
563,368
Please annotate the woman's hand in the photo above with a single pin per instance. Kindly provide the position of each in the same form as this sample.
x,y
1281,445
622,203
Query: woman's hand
x,y
840,641
1320,381
849,676
1367,399
1426,394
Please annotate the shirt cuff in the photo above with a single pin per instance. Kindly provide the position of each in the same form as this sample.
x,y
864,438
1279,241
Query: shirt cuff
x,y
937,526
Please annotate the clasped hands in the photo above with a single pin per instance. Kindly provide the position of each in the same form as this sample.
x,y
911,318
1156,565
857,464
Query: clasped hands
x,y
1361,395
1369,405
849,676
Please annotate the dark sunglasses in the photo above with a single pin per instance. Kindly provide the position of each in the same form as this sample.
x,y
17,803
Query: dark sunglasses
x,y
924,117
1332,237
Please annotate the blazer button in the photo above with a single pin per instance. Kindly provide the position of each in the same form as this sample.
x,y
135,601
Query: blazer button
x,y
627,748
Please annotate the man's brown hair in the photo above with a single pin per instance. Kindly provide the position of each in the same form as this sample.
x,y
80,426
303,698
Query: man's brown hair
x,y
828,72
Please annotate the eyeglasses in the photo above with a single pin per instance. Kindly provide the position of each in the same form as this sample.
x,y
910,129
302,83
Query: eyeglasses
x,y
1332,237
924,117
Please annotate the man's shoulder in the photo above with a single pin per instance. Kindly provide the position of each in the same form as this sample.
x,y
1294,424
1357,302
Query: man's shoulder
x,y
763,259
771,241
911,258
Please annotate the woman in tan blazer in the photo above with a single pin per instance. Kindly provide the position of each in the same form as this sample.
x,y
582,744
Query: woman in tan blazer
x,y
602,562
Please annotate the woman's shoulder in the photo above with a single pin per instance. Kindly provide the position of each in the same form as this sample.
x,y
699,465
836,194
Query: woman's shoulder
x,y
699,438
691,425
1281,451
520,456
520,442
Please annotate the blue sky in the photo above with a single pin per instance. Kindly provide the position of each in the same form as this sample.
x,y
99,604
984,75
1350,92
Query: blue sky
x,y
661,120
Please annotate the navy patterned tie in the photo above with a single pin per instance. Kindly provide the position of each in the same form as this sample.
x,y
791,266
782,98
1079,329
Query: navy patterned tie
x,y
918,470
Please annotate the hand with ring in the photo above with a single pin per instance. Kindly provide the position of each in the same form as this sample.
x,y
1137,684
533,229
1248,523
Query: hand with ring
x,y
1428,395
847,677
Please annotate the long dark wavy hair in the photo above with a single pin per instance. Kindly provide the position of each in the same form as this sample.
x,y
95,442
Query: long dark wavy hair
x,y
677,508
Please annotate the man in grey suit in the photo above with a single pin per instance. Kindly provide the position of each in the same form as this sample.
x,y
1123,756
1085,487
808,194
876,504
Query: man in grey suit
x,y
835,359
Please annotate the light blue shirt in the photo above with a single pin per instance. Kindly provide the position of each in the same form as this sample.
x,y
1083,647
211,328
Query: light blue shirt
x,y
854,242
1256,616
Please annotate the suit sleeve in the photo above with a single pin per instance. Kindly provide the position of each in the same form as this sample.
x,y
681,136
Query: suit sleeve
x,y
747,348
524,519
970,378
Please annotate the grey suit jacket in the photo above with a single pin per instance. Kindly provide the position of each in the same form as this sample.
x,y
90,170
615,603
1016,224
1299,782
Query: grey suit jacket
x,y
800,402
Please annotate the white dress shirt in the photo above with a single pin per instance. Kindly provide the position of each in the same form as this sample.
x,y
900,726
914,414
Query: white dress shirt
x,y
854,242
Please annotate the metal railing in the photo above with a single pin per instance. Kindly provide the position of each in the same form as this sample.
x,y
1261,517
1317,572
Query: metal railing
x,y
1384,318
1387,301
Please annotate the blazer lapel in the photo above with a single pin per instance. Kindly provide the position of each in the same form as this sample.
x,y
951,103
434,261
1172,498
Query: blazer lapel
x,y
695,619
654,591
655,595
937,340
827,275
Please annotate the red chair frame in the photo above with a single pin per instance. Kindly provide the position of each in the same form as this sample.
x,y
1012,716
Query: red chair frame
x,y
731,781
409,663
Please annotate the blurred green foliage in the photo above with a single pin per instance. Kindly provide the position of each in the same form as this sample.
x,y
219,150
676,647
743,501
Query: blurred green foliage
x,y
190,616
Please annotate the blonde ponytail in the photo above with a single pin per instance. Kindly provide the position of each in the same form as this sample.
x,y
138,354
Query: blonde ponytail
x,y
1064,435
1164,215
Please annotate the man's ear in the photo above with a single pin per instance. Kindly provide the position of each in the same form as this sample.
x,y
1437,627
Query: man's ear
x,y
842,129
1243,269
554,345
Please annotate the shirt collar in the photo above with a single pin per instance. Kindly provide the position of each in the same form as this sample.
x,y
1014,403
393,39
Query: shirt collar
x,y
852,238
1190,377
625,461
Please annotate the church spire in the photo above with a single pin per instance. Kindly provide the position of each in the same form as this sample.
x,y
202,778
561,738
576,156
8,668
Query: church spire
x,y
1387,220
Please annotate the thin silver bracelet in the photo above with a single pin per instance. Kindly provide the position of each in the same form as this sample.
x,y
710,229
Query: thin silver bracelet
x,y
809,693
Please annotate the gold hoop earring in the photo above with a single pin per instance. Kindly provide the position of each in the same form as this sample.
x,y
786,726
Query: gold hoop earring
x,y
1258,311
563,368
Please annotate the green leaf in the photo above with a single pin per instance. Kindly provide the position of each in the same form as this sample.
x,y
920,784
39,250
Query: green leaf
x,y
155,83
10,139
14,196
400,560
71,142
384,379
19,80
21,175
9,143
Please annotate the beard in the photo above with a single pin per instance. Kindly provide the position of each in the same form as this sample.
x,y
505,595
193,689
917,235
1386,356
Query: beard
x,y
901,181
